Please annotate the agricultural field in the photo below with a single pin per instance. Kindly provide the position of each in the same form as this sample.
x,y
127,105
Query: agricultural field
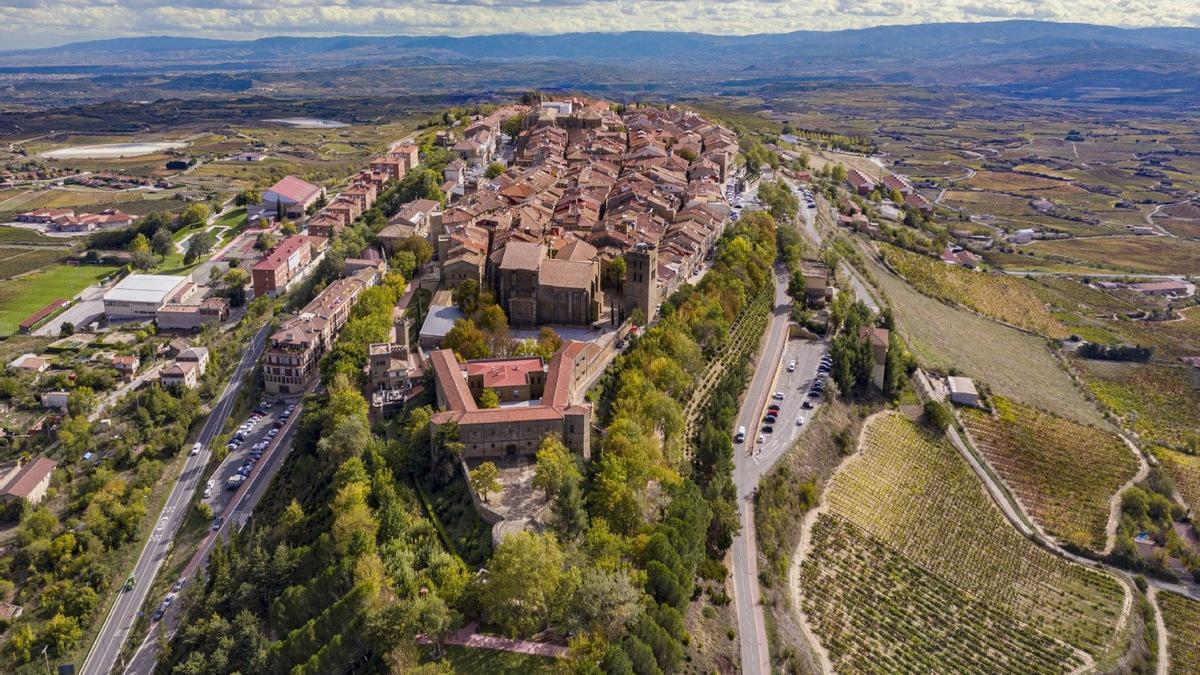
x,y
1184,470
1182,617
1064,474
913,566
1170,339
137,202
1004,181
18,260
21,297
1156,255
1158,402
1002,297
943,337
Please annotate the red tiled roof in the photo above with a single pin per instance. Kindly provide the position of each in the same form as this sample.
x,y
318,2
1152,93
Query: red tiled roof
x,y
28,477
295,189
504,372
285,249
449,375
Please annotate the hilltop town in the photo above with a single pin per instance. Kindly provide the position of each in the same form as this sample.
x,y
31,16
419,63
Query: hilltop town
x,y
565,383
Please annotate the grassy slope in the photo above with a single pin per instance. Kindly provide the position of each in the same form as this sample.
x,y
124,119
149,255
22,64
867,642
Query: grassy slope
x,y
1013,363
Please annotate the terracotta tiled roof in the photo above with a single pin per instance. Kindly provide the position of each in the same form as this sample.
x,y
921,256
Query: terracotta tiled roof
x,y
295,189
28,477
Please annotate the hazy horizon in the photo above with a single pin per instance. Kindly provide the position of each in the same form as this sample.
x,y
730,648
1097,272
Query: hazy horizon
x,y
50,23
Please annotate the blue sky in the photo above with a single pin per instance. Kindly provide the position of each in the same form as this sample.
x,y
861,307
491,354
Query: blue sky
x,y
41,23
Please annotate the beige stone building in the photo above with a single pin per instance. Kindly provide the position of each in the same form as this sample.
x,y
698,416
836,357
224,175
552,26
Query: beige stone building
x,y
536,400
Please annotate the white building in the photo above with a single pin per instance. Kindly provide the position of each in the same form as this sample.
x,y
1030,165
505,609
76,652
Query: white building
x,y
962,391
141,295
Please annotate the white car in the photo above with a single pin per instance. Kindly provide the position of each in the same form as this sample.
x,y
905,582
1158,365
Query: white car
x,y
778,396
792,366
800,421
762,439
196,449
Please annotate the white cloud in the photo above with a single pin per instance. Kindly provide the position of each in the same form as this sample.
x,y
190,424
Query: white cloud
x,y
39,23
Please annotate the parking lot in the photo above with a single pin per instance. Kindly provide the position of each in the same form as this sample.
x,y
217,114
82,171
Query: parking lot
x,y
795,386
255,433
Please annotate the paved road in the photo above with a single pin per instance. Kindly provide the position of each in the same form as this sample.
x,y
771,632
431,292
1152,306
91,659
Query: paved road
x,y
89,306
751,627
121,617
233,517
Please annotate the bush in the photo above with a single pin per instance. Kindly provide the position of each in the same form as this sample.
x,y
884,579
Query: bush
x,y
938,415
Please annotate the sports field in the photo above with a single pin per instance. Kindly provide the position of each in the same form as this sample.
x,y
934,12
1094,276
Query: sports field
x,y
21,297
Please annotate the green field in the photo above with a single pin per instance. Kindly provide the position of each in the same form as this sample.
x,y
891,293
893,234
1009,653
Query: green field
x,y
1182,618
19,298
1160,255
914,569
1158,402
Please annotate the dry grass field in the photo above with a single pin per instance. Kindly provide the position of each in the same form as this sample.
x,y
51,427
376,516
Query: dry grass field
x,y
1013,363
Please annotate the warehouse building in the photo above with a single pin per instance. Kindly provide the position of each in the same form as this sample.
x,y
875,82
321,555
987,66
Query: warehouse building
x,y
139,296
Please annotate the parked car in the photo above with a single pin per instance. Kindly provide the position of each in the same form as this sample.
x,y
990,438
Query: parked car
x,y
800,421
807,404
778,396
768,429
217,522
792,366
770,419
761,439
179,584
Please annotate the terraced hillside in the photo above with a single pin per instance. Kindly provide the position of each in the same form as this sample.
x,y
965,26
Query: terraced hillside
x,y
1006,298
1157,401
913,569
1063,473
1182,617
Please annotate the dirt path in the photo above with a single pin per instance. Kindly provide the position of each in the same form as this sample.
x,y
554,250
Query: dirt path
x,y
467,637
1114,502
1164,656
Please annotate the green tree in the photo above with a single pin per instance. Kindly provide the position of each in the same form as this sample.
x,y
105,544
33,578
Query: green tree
x,y
488,398
485,479
61,633
421,249
287,228
526,585
265,241
555,467
234,283
194,215
143,255
248,197
466,296
938,415
494,169
466,341
19,646
161,243
613,274
199,244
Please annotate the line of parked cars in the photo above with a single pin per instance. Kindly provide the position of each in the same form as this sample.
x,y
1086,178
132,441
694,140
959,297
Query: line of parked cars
x,y
256,451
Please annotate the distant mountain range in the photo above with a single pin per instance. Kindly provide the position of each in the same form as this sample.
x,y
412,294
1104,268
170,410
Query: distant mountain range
x,y
990,41
1024,58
